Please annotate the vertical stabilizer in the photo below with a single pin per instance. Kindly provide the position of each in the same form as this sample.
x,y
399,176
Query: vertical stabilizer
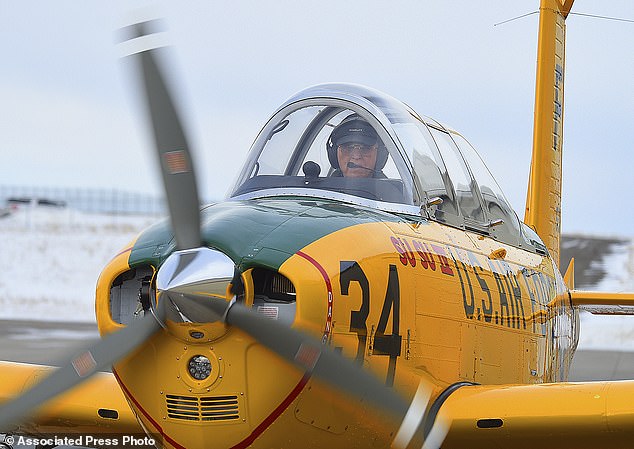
x,y
543,200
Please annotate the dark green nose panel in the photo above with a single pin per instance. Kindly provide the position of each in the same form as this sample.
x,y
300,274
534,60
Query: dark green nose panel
x,y
260,232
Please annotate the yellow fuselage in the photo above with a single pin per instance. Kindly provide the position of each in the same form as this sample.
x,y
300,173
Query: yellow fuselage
x,y
466,306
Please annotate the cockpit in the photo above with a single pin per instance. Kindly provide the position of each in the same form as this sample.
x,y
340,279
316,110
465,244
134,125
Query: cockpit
x,y
361,146
321,144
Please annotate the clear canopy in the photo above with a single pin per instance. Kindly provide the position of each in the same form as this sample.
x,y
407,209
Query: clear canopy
x,y
294,153
358,145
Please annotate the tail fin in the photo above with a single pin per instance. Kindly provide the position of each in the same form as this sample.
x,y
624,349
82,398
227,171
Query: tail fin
x,y
543,200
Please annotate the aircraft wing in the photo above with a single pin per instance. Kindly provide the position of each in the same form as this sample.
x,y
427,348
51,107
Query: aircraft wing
x,y
95,407
561,415
603,303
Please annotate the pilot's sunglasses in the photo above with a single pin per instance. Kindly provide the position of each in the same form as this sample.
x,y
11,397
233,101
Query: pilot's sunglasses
x,y
364,150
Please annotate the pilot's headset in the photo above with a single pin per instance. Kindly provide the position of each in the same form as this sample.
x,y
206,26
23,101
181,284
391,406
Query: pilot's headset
x,y
353,125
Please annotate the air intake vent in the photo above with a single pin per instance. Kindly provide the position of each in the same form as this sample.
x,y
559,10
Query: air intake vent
x,y
281,284
272,286
214,408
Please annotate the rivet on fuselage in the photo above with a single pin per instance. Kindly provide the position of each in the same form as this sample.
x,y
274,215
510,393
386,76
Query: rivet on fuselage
x,y
190,390
161,392
219,358
407,350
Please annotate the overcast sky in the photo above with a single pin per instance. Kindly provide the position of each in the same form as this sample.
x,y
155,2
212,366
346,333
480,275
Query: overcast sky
x,y
70,117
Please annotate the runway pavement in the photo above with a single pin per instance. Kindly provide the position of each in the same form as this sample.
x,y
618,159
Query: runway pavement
x,y
52,343
43,342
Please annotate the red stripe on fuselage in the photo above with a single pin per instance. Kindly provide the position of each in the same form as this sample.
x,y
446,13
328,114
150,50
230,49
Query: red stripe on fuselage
x,y
146,414
324,274
244,443
123,252
276,414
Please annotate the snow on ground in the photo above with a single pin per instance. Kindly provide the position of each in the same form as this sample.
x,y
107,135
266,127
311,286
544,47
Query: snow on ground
x,y
604,331
50,259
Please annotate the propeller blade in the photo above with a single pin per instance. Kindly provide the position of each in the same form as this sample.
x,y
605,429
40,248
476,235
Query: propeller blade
x,y
103,353
182,197
172,149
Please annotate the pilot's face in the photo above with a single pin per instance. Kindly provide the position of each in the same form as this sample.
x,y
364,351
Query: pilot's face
x,y
364,156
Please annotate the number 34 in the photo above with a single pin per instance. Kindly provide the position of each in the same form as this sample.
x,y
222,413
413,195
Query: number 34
x,y
389,345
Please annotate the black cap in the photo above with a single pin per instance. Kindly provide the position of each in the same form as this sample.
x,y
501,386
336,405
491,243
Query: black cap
x,y
354,131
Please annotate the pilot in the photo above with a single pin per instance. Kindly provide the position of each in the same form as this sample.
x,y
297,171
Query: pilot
x,y
355,149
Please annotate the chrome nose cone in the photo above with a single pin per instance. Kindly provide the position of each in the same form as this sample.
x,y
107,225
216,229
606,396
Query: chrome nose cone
x,y
201,270
198,271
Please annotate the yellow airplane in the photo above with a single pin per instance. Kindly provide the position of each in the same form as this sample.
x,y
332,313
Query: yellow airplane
x,y
366,284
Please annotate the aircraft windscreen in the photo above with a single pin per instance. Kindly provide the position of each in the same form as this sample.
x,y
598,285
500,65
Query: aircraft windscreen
x,y
322,150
